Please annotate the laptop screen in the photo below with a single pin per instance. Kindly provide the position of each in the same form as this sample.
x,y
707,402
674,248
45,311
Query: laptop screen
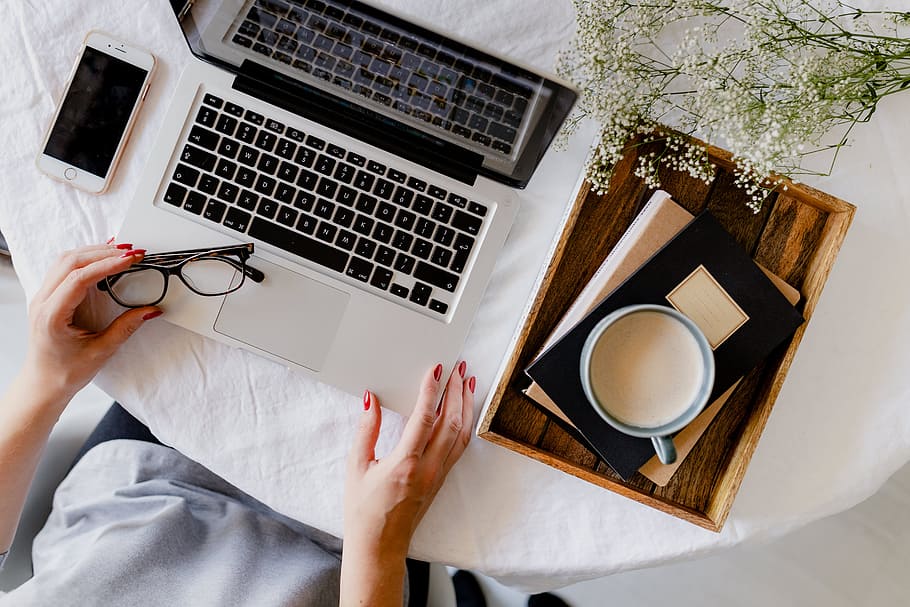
x,y
433,95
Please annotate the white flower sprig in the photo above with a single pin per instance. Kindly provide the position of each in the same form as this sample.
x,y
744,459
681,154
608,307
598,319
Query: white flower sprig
x,y
772,81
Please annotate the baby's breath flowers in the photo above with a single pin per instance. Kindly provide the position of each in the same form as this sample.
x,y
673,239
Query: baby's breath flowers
x,y
772,81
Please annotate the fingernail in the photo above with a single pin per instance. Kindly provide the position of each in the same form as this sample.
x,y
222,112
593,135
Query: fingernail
x,y
472,383
152,315
366,400
124,246
134,253
437,372
462,367
110,240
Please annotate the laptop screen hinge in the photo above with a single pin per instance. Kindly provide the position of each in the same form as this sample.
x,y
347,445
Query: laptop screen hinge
x,y
359,122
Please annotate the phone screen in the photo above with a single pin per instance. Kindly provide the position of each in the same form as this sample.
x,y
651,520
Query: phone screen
x,y
95,112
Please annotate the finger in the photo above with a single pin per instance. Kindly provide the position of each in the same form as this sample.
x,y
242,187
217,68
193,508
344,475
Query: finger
x,y
124,326
72,260
363,452
63,301
467,427
420,424
451,419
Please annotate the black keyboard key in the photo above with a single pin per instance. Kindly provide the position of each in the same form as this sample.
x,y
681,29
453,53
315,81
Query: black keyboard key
x,y
363,225
396,175
255,118
308,180
459,201
247,200
405,220
336,150
356,159
195,202
186,175
286,149
324,208
345,172
441,256
364,181
233,109
267,208
288,172
237,219
366,204
198,158
442,212
242,40
438,306
403,196
268,38
435,276
268,164
344,217
285,193
245,177
203,138
346,195
359,269
383,188
175,194
326,231
375,167
211,99
228,192
467,223
423,204
324,164
417,184
346,240
265,185
402,241
214,211
266,141
274,125
262,49
444,235
365,248
228,147
404,263
315,142
382,278
226,169
305,201
385,212
305,157
208,184
327,188
437,192
477,208
295,134
385,255
248,155
500,131
383,232
307,223
422,248
207,116
420,294
226,124
425,227
287,216
296,243
246,133
399,290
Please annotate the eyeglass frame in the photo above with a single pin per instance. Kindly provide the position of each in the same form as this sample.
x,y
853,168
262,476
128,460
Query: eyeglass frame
x,y
178,260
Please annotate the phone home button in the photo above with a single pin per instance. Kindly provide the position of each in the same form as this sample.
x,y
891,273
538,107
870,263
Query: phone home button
x,y
70,174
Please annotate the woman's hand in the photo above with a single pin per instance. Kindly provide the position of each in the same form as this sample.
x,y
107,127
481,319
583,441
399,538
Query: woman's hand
x,y
63,357
385,500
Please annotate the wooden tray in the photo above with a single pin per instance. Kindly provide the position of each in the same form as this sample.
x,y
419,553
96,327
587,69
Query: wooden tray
x,y
797,235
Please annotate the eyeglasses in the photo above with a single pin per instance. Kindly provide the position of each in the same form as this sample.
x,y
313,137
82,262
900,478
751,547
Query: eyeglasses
x,y
207,272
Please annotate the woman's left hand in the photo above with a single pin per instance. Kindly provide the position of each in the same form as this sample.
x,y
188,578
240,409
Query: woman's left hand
x,y
63,357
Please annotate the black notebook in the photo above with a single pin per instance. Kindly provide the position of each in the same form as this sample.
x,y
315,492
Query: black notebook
x,y
704,273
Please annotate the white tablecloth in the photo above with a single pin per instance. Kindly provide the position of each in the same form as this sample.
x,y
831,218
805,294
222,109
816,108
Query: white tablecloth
x,y
839,429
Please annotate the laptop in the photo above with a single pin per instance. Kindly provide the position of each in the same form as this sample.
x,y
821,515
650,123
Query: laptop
x,y
373,162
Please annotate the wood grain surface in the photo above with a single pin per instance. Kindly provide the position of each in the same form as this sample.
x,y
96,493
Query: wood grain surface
x,y
796,235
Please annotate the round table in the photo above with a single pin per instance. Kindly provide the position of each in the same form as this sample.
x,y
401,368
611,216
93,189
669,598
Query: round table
x,y
839,429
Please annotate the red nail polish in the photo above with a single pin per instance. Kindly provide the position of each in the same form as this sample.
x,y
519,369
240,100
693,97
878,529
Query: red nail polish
x,y
472,383
437,372
133,253
366,400
125,246
152,315
110,240
462,367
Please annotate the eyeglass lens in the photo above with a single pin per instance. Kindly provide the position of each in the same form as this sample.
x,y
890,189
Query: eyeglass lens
x,y
205,276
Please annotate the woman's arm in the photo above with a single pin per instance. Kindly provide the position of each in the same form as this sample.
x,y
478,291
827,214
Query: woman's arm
x,y
385,500
61,359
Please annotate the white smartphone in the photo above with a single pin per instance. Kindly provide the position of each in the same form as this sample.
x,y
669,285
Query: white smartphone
x,y
96,114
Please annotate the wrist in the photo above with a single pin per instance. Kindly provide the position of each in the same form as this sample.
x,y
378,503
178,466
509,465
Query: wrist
x,y
36,390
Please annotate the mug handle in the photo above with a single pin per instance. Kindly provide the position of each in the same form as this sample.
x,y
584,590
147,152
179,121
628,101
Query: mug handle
x,y
666,450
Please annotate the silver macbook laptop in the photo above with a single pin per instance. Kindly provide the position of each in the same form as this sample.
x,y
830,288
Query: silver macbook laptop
x,y
370,159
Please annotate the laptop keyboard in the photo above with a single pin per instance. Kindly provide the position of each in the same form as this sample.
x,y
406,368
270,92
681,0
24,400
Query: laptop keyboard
x,y
422,77
340,210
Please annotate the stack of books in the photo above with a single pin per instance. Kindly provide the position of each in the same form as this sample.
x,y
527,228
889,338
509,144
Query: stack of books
x,y
671,258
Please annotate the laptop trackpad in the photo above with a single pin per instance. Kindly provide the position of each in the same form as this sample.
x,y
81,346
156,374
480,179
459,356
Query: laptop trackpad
x,y
288,315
